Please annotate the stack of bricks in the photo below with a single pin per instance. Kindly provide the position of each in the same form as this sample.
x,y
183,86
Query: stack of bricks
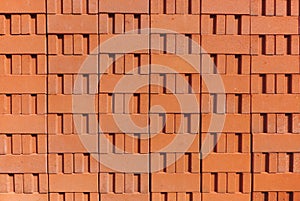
x,y
225,35
72,28
23,95
178,176
275,100
122,181
255,46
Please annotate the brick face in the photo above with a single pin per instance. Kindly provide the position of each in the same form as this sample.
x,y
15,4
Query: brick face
x,y
57,122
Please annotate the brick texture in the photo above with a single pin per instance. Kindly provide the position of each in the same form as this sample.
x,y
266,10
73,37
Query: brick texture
x,y
255,47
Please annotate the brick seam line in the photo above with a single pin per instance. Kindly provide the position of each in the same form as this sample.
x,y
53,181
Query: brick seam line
x,y
98,77
149,104
47,98
98,102
200,123
251,134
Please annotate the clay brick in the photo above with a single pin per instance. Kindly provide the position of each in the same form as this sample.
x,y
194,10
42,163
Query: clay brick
x,y
131,6
23,197
178,64
225,197
72,64
278,64
221,163
72,24
37,45
180,23
230,124
125,197
226,44
61,143
274,25
16,84
160,142
276,182
226,7
67,104
184,103
73,183
273,143
23,6
26,124
229,84
271,103
109,83
178,182
23,163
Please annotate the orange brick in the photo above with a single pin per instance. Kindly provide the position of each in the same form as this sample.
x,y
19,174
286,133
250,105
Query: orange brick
x,y
226,44
132,6
72,24
221,163
226,7
73,183
23,163
276,182
178,23
272,103
175,182
274,25
23,6
37,45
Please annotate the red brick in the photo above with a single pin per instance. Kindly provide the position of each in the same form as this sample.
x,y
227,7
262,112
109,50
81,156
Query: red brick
x,y
73,183
273,103
72,64
233,123
229,82
23,84
72,24
23,163
37,45
61,143
26,124
178,64
226,44
108,83
273,143
222,163
125,197
225,197
160,142
184,103
274,25
278,64
131,6
23,197
226,6
276,182
177,23
23,6
69,104
162,182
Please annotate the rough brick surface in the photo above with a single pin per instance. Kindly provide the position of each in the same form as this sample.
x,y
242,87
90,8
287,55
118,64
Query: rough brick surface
x,y
255,46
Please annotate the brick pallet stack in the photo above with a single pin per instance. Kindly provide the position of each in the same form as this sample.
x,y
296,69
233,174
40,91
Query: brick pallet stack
x,y
225,35
115,66
275,105
23,92
72,28
46,156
